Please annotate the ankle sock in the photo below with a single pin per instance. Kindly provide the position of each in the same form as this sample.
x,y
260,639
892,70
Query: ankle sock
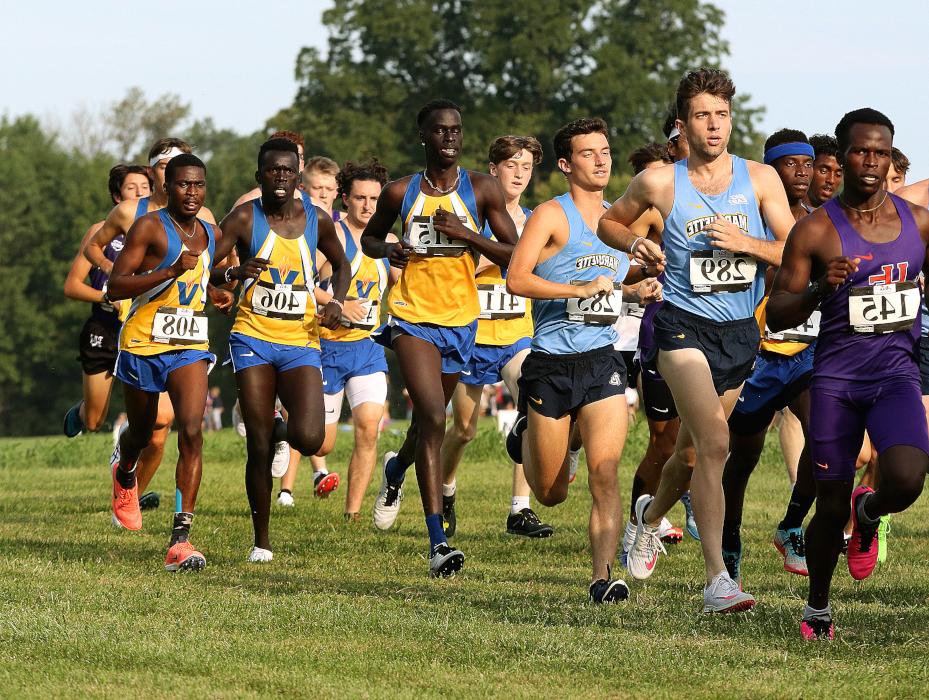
x,y
518,503
436,533
181,530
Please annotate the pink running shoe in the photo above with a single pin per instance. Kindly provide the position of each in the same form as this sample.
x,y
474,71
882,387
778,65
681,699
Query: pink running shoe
x,y
817,629
862,548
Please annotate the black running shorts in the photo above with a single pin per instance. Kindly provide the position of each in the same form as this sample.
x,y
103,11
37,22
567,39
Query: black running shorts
x,y
98,346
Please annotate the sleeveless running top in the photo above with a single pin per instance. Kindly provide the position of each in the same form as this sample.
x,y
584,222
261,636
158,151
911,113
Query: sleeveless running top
x,y
108,313
845,356
683,234
185,292
369,280
284,311
437,290
584,257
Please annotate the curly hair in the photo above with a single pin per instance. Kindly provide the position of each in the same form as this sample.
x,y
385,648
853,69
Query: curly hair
x,y
371,170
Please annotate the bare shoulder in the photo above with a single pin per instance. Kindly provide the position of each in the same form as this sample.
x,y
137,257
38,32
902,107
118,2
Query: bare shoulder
x,y
394,191
917,193
549,215
920,214
655,181
239,218
763,176
207,216
812,228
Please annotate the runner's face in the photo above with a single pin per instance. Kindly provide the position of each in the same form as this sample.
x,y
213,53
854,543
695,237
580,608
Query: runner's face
x,y
708,125
895,180
514,173
795,173
442,137
187,190
158,174
827,177
678,147
591,161
867,158
322,189
135,186
278,176
301,164
362,201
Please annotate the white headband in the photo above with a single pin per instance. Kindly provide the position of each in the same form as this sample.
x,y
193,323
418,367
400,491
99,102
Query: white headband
x,y
675,132
168,155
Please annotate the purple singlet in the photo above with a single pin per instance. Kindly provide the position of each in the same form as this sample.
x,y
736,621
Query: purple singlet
x,y
98,280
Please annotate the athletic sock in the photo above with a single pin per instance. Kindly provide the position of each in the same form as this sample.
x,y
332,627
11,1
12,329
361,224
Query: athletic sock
x,y
436,533
395,471
125,475
518,503
319,474
814,614
860,506
732,537
797,510
287,491
448,490
181,530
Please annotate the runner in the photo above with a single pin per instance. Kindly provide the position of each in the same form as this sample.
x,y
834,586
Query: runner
x,y
255,193
858,259
705,332
896,176
780,380
678,149
434,306
827,172
504,331
353,365
573,372
274,343
163,346
319,181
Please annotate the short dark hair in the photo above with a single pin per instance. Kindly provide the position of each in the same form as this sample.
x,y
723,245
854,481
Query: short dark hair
x,y
579,127
371,170
785,136
824,145
670,118
711,81
278,144
900,161
164,145
505,147
118,175
434,106
865,115
182,161
289,135
649,153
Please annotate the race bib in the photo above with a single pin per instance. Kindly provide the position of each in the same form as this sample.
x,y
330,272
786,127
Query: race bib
x,y
431,243
497,303
179,326
721,271
284,301
883,308
372,316
633,310
804,333
599,310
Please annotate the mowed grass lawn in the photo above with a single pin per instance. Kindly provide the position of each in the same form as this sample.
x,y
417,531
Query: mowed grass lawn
x,y
343,611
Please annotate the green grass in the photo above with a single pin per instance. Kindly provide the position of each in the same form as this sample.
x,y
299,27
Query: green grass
x,y
86,610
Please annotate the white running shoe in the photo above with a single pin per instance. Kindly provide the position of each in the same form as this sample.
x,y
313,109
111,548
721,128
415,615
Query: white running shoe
x,y
387,503
285,499
647,544
628,539
260,556
723,596
237,421
574,461
281,461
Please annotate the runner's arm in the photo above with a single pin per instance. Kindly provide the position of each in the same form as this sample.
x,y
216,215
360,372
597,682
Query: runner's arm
x,y
374,241
114,225
75,287
126,281
614,227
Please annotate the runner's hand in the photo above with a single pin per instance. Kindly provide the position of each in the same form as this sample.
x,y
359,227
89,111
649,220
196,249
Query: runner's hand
x,y
186,261
598,287
838,270
221,298
649,291
648,254
330,315
399,254
725,235
451,225
355,310
250,269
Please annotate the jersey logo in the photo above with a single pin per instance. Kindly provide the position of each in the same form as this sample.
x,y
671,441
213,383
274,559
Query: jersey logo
x,y
738,199
886,275
363,291
289,276
695,227
182,293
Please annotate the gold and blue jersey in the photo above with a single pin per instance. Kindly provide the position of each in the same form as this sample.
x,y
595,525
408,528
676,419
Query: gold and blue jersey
x,y
170,315
437,290
369,280
501,331
279,307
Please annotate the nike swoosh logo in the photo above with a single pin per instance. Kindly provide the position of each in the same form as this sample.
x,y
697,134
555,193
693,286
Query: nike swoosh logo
x,y
652,371
467,374
741,399
538,401
328,411
247,354
651,565
869,256
822,466
662,410
587,243
132,375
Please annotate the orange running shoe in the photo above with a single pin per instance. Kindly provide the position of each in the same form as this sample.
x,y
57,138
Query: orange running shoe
x,y
183,557
325,484
126,512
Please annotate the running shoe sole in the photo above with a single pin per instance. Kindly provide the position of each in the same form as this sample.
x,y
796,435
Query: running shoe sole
x,y
448,566
326,485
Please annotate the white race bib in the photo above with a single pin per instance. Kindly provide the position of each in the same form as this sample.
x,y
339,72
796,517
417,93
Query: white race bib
x,y
372,316
804,333
599,310
179,326
633,310
721,271
883,308
284,301
427,241
497,303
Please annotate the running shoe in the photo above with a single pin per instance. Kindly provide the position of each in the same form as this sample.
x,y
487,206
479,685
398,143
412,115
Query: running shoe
x,y
883,529
514,439
324,484
444,561
387,503
286,499
281,461
183,557
862,548
817,629
149,501
73,425
724,595
608,590
845,540
448,515
643,555
574,461
260,556
126,511
733,562
526,523
792,547
691,523
669,533
237,421
628,539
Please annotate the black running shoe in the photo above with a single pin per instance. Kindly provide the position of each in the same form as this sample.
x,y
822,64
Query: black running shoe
x,y
149,501
444,561
514,439
448,515
607,590
527,524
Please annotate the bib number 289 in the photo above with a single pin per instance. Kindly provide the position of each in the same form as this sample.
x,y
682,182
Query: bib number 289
x,y
721,271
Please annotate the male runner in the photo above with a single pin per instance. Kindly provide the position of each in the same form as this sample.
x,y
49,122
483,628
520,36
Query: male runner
x,y
573,371
896,176
164,346
863,252
255,193
827,171
434,306
677,139
780,379
274,343
504,331
319,181
715,248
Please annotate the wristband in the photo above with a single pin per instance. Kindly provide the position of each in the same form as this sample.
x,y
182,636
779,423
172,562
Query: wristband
x,y
336,301
634,244
227,275
106,298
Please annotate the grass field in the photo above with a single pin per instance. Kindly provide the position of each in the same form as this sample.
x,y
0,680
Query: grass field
x,y
86,610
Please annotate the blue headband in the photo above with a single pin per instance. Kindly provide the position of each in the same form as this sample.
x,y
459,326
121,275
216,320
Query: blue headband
x,y
794,148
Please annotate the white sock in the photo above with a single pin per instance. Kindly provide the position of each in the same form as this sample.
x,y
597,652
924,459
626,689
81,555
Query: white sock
x,y
448,490
518,503
319,473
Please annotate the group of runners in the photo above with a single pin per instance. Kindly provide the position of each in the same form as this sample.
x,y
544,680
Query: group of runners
x,y
731,293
